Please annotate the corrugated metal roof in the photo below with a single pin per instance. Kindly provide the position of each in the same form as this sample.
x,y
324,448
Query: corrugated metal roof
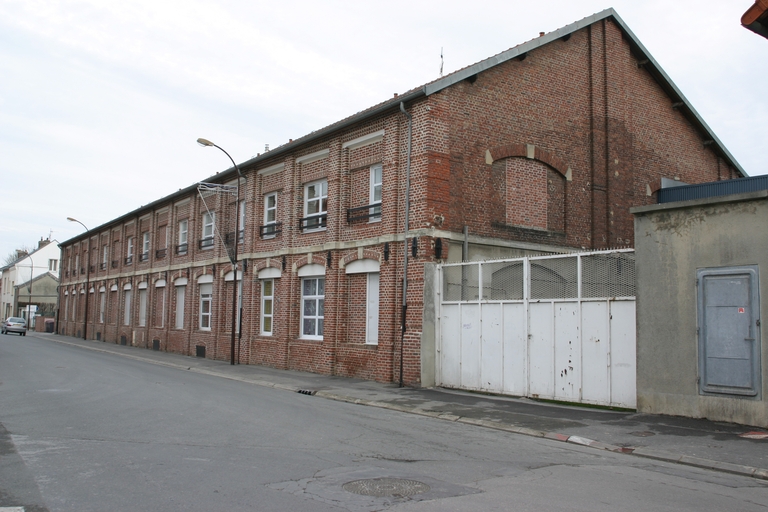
x,y
713,189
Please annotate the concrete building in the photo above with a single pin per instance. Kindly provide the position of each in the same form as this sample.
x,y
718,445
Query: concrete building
x,y
699,286
541,148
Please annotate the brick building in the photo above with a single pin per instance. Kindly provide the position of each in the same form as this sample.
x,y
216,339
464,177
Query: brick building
x,y
541,148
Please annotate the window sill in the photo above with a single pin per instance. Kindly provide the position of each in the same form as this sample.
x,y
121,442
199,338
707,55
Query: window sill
x,y
311,338
315,230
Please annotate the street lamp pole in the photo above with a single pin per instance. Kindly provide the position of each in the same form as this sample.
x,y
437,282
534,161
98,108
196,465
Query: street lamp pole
x,y
233,255
29,289
87,276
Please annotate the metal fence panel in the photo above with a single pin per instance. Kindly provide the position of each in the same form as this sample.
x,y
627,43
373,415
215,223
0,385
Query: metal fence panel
x,y
554,278
548,327
503,280
608,275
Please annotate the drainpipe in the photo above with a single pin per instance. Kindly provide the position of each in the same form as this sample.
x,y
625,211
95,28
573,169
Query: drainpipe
x,y
405,236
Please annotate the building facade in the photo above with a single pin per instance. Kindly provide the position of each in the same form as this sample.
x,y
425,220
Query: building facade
x,y
542,148
15,294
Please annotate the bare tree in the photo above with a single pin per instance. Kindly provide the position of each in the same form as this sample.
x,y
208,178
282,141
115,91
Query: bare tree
x,y
16,255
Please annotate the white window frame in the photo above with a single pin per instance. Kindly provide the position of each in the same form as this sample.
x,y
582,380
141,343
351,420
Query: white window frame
x,y
267,298
127,307
375,211
145,245
270,209
372,308
142,307
52,264
323,196
129,252
184,235
241,228
160,298
319,307
102,305
206,306
181,292
105,255
209,223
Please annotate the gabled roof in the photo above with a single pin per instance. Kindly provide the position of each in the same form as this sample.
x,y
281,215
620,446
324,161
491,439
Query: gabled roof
x,y
46,275
756,18
641,53
27,255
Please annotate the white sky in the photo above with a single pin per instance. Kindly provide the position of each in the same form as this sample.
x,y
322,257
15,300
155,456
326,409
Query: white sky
x,y
101,102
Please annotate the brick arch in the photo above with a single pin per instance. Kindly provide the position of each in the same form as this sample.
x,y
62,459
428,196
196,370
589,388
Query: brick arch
x,y
531,152
198,275
368,254
268,263
318,259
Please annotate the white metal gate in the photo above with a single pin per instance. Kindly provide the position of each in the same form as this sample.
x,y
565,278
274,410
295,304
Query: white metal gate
x,y
557,327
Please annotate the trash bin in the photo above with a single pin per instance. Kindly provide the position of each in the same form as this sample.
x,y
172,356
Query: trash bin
x,y
49,325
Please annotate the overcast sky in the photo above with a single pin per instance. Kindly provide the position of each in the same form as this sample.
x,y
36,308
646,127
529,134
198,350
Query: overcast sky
x,y
101,101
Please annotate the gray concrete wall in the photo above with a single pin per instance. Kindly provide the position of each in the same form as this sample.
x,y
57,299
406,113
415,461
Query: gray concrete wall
x,y
428,327
672,241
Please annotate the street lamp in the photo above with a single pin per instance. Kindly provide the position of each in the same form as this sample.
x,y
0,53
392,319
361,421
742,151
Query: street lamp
x,y
29,289
87,276
233,255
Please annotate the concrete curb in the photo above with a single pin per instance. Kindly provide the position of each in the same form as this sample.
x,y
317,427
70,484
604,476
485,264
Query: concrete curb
x,y
725,467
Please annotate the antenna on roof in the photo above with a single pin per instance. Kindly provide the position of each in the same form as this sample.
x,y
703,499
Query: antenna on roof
x,y
441,61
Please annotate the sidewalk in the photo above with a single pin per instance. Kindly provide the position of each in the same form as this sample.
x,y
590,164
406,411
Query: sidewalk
x,y
700,443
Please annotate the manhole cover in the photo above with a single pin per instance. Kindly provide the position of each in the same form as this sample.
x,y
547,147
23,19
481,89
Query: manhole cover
x,y
382,487
754,435
643,433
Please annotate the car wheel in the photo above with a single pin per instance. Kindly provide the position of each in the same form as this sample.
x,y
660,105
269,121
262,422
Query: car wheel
x,y
23,333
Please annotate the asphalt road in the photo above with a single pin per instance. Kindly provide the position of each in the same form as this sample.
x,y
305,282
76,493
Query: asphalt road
x,y
89,431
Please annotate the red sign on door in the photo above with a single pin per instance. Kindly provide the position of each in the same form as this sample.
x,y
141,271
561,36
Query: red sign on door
x,y
741,310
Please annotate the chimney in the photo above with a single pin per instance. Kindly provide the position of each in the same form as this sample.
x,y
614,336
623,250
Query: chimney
x,y
42,243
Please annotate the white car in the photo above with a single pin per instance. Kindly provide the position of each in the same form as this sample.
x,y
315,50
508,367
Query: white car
x,y
14,324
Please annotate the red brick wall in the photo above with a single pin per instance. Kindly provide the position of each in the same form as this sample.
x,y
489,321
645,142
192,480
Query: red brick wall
x,y
605,119
577,131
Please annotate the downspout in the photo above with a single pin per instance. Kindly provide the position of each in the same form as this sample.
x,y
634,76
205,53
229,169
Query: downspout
x,y
405,235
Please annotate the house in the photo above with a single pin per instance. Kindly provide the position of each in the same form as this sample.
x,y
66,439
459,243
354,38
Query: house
x,y
701,266
38,297
27,267
542,148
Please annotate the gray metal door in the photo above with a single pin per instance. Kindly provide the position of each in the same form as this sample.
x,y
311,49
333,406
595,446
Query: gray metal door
x,y
729,331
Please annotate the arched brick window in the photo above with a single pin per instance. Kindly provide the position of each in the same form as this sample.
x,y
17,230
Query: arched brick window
x,y
534,194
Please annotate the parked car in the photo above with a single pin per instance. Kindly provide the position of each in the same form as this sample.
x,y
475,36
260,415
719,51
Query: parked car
x,y
14,324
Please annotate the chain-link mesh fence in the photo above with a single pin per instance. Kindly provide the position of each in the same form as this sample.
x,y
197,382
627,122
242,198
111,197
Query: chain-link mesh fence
x,y
608,275
603,274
